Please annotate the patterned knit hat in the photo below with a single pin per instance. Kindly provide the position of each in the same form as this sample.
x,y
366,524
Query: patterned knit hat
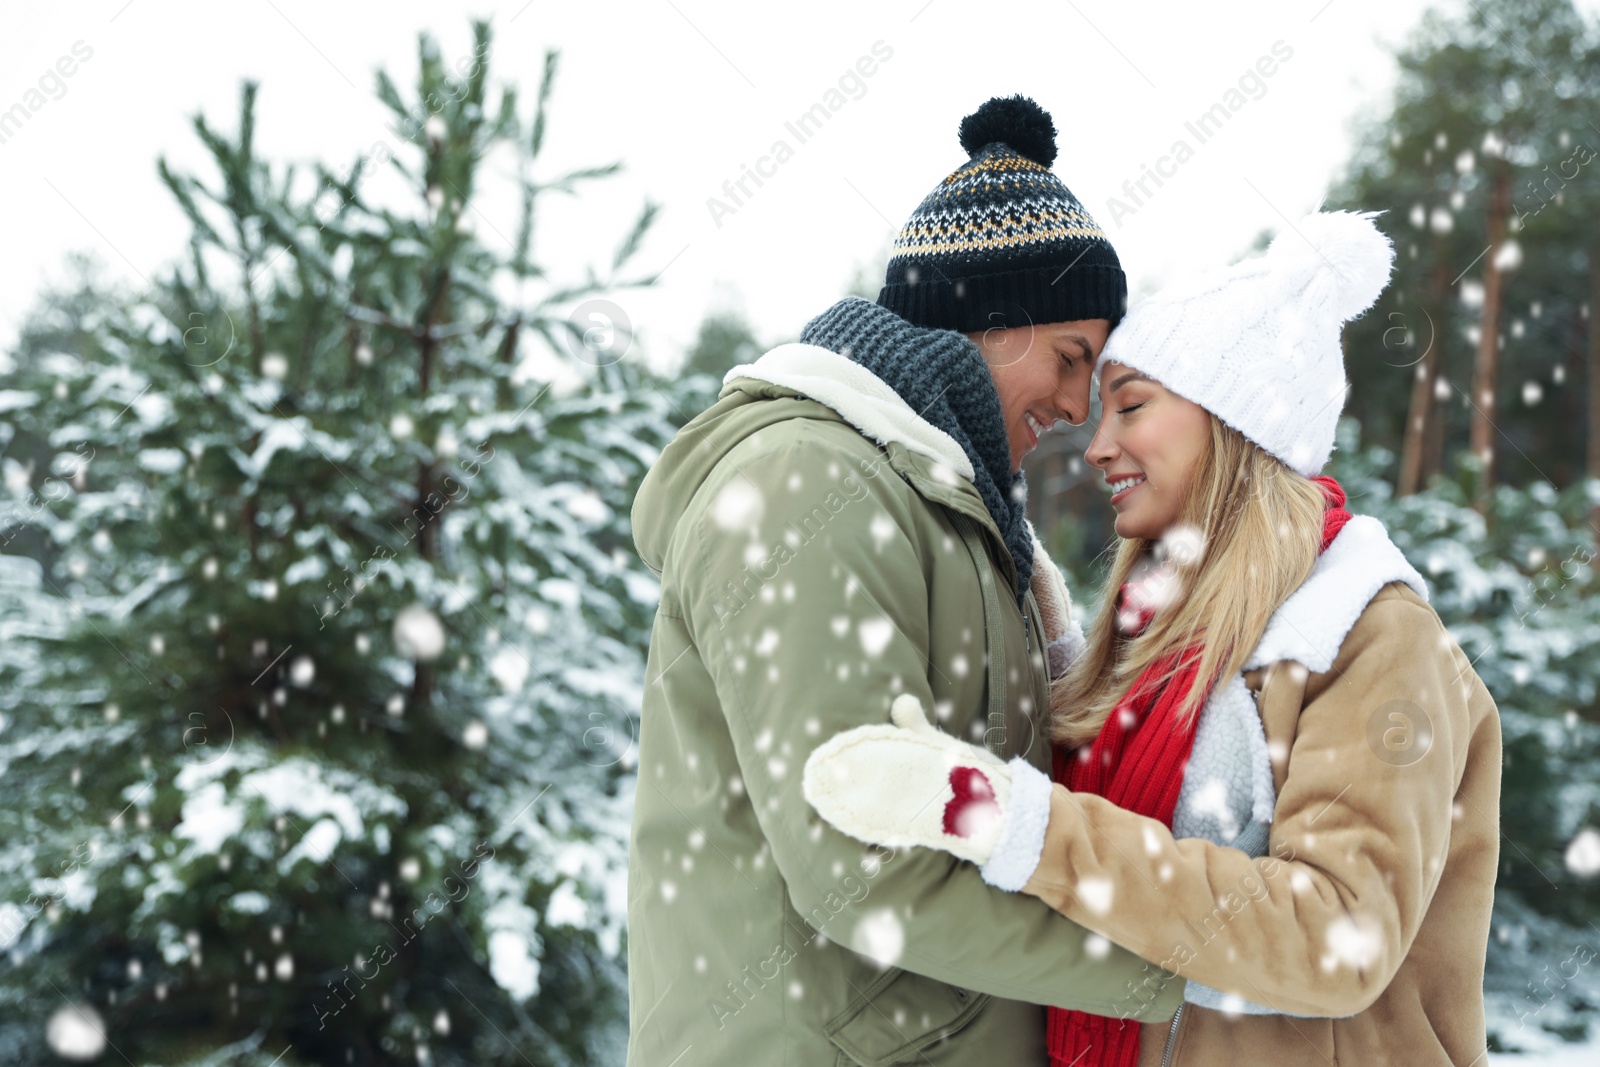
x,y
1257,344
1001,242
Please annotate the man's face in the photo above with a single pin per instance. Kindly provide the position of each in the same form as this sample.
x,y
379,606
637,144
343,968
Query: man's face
x,y
1042,374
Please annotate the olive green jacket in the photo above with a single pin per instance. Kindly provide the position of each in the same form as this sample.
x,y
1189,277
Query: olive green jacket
x,y
812,567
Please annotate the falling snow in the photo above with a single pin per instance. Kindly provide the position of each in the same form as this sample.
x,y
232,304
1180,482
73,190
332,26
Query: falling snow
x,y
738,505
875,635
1582,855
1351,945
1096,893
879,936
419,633
76,1032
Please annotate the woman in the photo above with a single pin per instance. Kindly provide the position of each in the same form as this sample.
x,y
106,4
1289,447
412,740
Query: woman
x,y
1277,776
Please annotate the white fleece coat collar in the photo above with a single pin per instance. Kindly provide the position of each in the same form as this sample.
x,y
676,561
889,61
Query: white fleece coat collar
x,y
1228,780
861,398
1310,626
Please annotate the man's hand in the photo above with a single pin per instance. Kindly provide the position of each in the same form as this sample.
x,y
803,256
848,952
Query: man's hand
x,y
1063,638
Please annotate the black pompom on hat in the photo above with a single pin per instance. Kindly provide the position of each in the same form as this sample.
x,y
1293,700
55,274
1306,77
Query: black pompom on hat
x,y
1017,122
1001,242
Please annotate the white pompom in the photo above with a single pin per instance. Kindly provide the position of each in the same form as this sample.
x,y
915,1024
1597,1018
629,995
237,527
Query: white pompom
x,y
1341,259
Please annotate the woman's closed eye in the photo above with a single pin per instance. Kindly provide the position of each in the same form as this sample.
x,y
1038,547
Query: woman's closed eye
x,y
1134,407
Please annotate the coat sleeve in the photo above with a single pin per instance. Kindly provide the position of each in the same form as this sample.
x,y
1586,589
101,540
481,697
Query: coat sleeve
x,y
1320,924
809,607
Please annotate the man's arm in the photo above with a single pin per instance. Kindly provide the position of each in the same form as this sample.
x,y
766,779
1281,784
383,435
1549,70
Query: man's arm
x,y
808,602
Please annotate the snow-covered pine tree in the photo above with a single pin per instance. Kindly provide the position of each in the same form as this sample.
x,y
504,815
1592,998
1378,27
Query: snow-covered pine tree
x,y
1487,136
324,754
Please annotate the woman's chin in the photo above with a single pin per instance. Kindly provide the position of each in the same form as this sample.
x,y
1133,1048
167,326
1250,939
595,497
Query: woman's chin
x,y
1129,527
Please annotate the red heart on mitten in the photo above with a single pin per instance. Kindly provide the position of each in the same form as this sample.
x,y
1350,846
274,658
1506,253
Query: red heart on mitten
x,y
973,805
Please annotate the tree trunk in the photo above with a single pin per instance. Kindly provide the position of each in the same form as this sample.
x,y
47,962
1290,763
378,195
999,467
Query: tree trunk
x,y
1592,467
1486,371
1433,439
1421,413
1417,414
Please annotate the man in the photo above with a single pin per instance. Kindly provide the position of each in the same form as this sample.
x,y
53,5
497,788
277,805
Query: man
x,y
845,524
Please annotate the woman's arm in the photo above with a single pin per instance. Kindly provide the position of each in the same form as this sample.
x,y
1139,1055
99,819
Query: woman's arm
x,y
1318,926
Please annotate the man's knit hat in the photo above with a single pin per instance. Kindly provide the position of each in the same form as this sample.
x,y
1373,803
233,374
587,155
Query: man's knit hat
x,y
1257,344
1001,242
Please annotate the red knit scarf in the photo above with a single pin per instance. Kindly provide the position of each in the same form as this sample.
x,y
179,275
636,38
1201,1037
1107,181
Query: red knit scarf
x,y
1137,762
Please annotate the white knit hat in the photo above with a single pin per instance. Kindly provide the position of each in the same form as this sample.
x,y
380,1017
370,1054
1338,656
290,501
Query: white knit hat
x,y
1257,343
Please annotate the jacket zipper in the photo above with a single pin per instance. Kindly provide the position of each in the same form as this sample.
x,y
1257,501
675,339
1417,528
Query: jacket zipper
x,y
1172,1035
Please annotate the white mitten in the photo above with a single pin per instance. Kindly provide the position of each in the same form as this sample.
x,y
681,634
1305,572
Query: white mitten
x,y
1063,637
912,784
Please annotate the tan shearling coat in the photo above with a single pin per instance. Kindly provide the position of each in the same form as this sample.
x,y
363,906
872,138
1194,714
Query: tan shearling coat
x,y
1368,920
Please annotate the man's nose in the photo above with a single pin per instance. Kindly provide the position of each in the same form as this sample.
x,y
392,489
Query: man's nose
x,y
1075,413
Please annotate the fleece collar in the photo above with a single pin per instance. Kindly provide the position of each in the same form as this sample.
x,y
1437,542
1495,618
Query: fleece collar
x,y
1311,625
861,398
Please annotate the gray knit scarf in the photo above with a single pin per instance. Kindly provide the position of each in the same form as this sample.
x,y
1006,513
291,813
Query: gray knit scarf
x,y
943,377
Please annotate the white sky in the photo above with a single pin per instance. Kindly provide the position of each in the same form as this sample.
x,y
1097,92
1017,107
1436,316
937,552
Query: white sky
x,y
687,92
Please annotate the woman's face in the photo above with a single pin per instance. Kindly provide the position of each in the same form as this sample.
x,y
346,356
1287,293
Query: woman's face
x,y
1149,445
1042,374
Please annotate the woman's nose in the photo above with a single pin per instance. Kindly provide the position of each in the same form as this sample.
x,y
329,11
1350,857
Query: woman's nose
x,y
1101,450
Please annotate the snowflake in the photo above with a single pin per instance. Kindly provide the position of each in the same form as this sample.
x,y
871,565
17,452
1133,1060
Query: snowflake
x,y
875,635
75,1032
1349,944
1212,799
738,505
1096,893
1583,854
880,937
419,633
883,530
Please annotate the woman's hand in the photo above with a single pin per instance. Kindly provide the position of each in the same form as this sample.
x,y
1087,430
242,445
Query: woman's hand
x,y
913,784
1063,638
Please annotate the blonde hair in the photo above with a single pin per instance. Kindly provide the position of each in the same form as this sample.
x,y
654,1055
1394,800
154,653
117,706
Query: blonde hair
x,y
1260,526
